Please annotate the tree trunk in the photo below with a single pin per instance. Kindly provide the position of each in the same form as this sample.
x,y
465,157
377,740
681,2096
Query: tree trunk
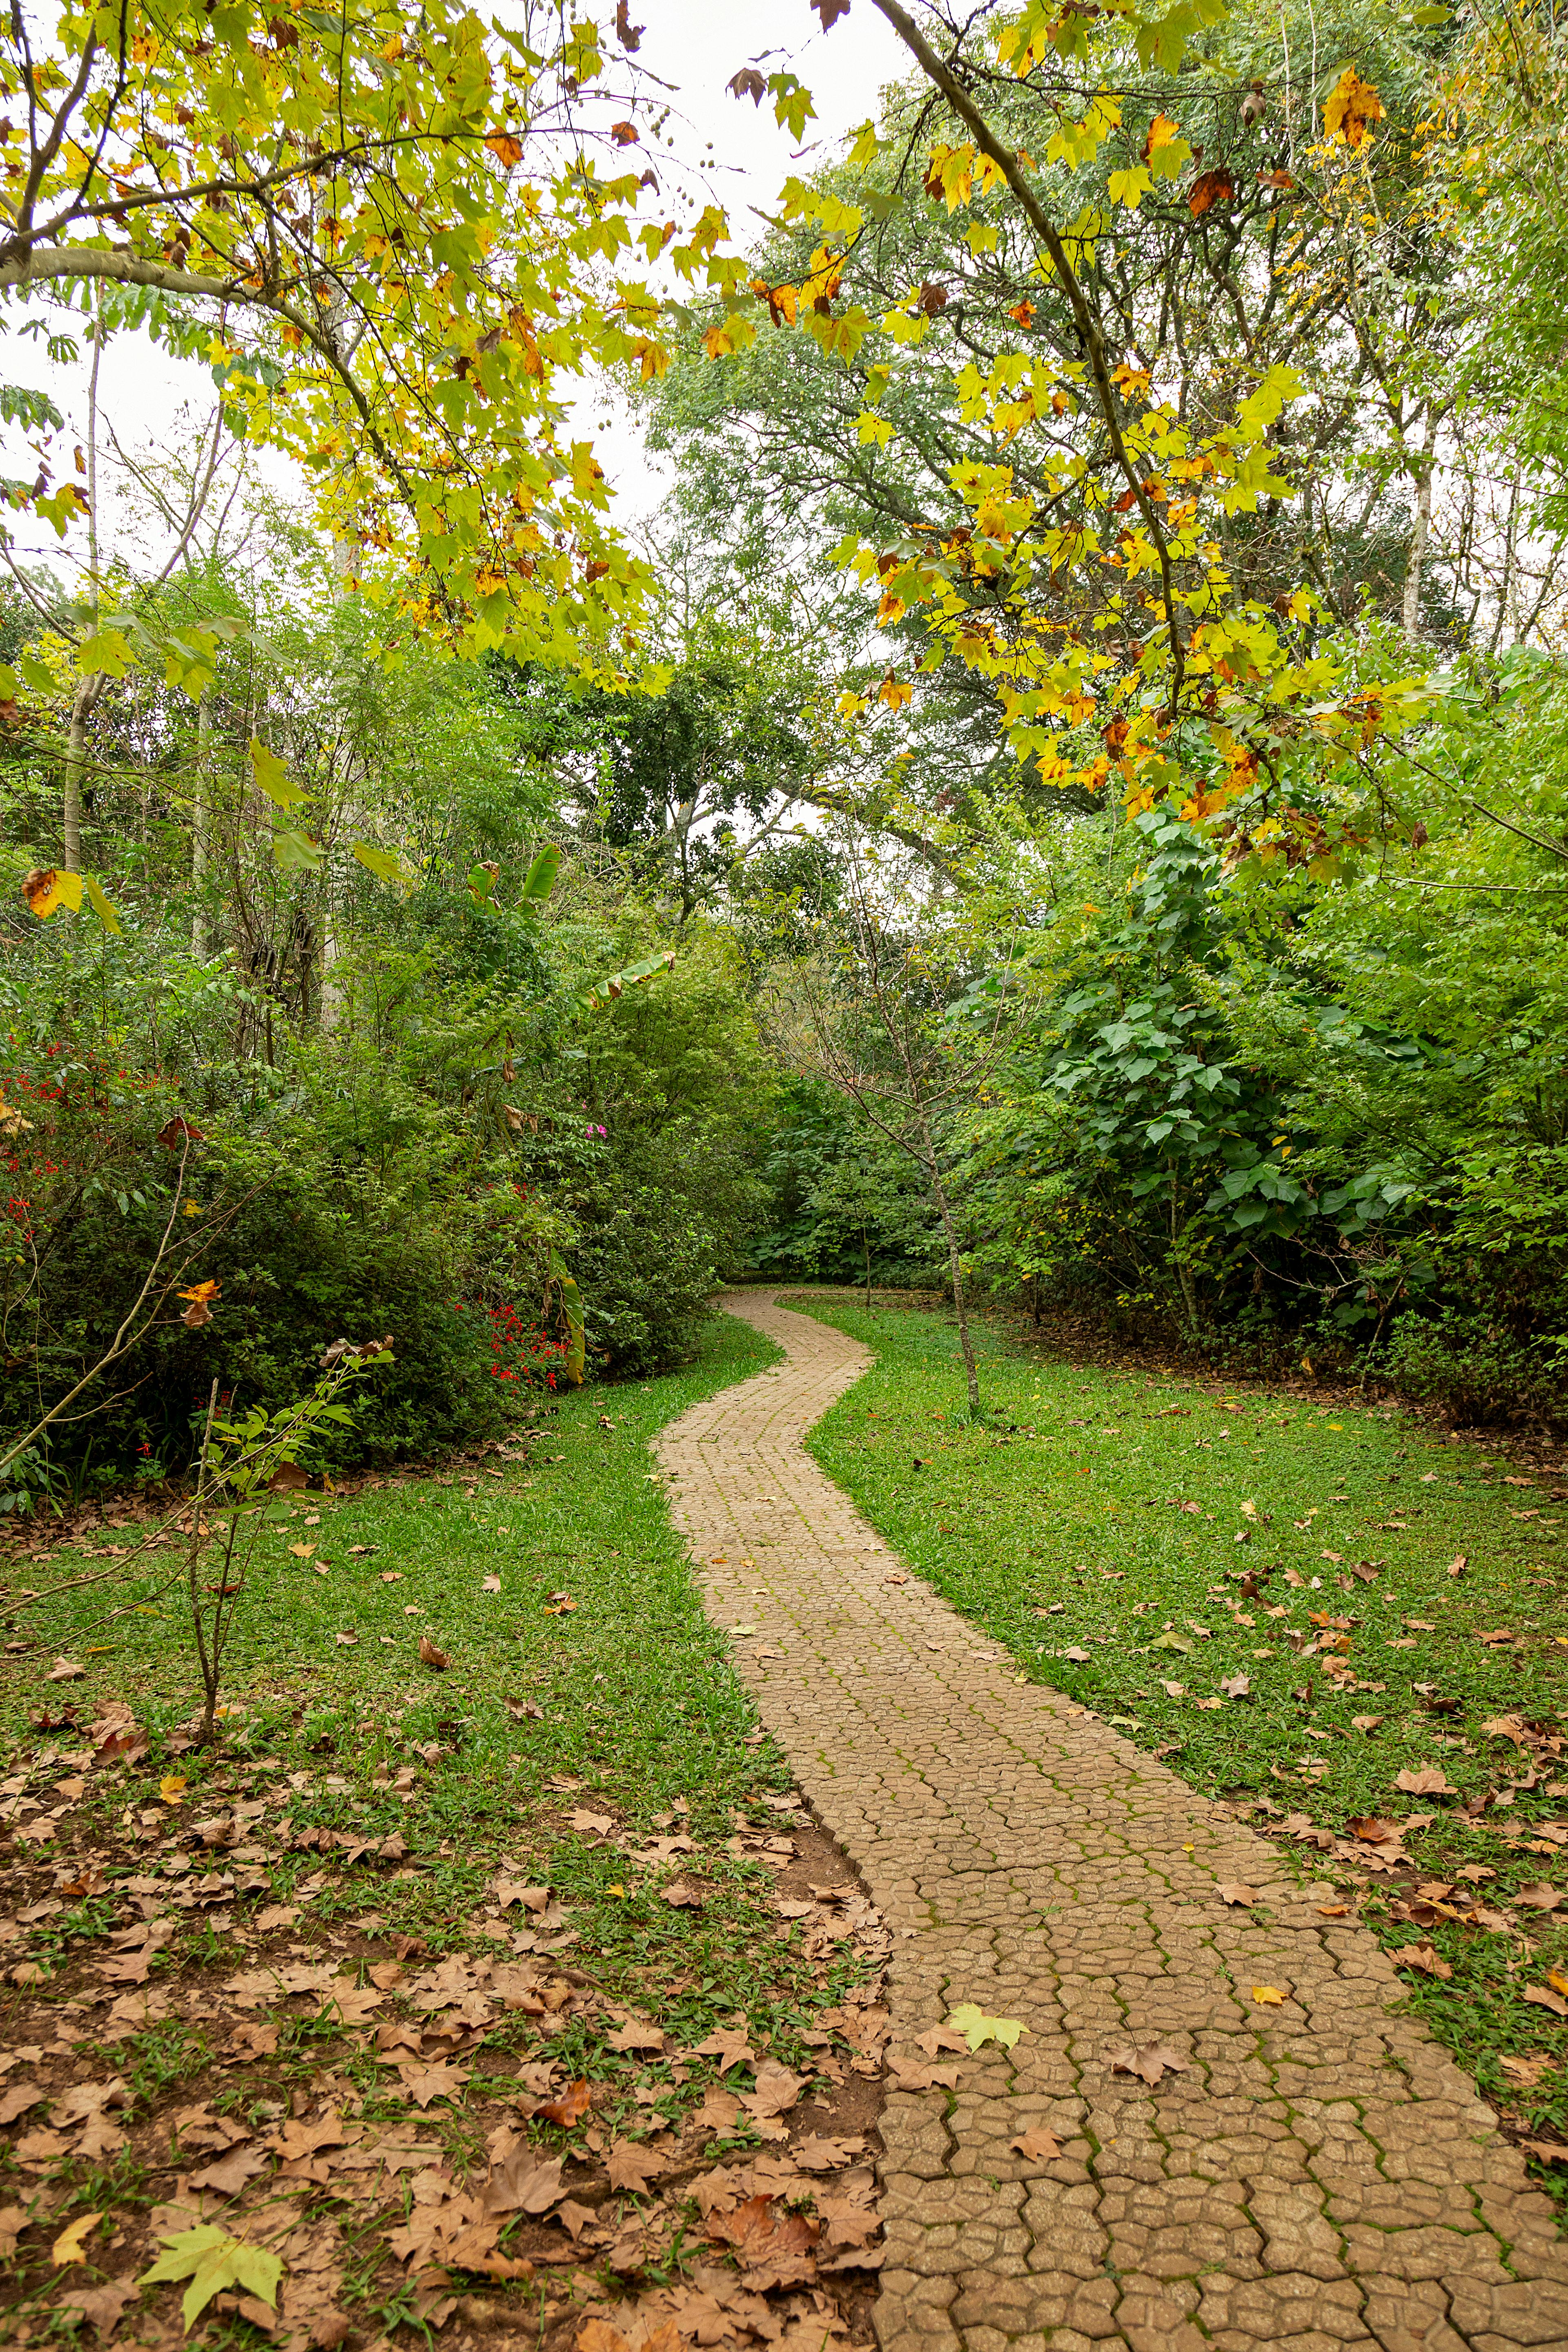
x,y
76,757
201,818
90,686
959,1306
1421,529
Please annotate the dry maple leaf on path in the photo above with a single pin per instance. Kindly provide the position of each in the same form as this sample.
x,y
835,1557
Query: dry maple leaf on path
x,y
1037,2143
1152,2062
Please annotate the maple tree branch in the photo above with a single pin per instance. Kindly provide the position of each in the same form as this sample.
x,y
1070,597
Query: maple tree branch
x,y
1084,318
52,263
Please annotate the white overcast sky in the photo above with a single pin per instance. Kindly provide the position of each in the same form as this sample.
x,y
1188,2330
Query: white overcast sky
x,y
693,45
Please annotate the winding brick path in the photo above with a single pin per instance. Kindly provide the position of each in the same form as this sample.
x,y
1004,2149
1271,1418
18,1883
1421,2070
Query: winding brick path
x,y
1324,2175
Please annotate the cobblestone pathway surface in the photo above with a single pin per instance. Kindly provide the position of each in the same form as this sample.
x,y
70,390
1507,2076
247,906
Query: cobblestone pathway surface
x,y
1322,2174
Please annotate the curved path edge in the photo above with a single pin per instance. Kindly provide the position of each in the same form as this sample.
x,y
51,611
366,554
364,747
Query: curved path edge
x,y
1322,2174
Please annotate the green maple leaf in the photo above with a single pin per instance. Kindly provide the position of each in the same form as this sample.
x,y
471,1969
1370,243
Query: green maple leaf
x,y
212,2260
978,2029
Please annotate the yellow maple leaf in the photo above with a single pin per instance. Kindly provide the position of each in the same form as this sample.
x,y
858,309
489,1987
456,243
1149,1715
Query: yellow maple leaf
x,y
47,887
1352,106
171,1788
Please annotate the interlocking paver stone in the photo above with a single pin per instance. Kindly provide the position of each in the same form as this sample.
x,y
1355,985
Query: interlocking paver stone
x,y
1324,2175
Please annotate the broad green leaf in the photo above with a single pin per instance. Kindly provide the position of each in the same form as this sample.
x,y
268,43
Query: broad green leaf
x,y
385,864
273,778
539,879
978,2029
632,976
296,853
108,651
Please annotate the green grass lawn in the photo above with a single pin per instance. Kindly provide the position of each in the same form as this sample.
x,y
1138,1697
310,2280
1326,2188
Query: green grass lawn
x,y
1260,1588
583,1785
590,1675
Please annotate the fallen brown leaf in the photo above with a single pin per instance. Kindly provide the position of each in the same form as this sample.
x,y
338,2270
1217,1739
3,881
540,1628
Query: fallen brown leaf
x,y
568,2110
633,2166
228,2175
1423,1957
1152,2062
777,2090
1037,2143
101,2306
1373,1831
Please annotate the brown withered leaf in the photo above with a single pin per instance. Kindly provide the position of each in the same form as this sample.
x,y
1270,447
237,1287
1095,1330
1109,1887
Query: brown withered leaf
x,y
228,2175
18,2099
1210,188
1373,1831
1422,1956
1544,1998
1037,2143
730,2045
1427,1781
423,2083
777,2090
1539,1896
249,2042
429,1655
633,2166
635,2035
1526,2070
102,2307
1150,2063
937,2038
568,2110
774,2250
523,2183
1234,1890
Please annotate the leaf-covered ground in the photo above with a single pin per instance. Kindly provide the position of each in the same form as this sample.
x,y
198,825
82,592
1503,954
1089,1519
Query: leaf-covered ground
x,y
1346,1623
521,1994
